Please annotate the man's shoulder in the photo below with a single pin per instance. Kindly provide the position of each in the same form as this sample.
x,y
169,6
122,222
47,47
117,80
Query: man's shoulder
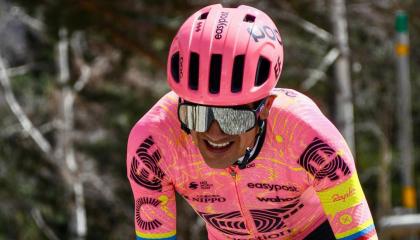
x,y
159,125
293,107
292,101
161,117
163,110
294,112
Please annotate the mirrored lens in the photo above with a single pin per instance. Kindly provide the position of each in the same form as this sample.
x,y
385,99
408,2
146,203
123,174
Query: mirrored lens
x,y
231,121
234,121
197,118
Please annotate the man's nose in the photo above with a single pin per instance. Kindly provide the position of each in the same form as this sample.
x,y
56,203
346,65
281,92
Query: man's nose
x,y
215,131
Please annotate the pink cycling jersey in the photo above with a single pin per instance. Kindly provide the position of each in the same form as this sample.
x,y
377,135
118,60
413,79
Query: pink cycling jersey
x,y
303,175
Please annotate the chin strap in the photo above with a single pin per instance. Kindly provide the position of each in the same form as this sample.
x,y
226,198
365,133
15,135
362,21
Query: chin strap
x,y
250,152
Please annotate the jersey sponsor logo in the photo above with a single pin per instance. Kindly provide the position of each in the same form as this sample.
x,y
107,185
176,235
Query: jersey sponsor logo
x,y
203,185
193,185
273,187
343,197
150,176
318,153
206,198
275,199
144,224
221,24
261,32
265,237
286,92
250,165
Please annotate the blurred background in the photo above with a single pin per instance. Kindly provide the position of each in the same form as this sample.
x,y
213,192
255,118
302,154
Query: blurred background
x,y
77,74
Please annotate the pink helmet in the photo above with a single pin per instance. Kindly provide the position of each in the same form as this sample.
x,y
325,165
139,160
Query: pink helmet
x,y
225,56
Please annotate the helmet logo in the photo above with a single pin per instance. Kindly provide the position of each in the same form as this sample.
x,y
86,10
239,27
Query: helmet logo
x,y
257,33
221,24
277,67
198,27
181,71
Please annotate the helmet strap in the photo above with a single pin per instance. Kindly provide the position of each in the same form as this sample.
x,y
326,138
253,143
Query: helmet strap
x,y
251,153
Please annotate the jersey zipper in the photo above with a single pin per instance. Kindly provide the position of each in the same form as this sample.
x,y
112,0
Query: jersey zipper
x,y
233,171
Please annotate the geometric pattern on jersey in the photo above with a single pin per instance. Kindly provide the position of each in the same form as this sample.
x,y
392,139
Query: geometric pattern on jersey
x,y
316,154
146,225
151,175
228,223
265,220
268,220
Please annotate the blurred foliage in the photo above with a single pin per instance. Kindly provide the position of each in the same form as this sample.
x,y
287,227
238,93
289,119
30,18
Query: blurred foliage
x,y
131,39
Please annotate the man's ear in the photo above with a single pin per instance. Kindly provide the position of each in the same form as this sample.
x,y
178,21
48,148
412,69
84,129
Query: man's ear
x,y
266,110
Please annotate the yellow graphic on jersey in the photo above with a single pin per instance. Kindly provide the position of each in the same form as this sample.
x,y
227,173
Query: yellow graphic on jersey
x,y
156,235
164,201
279,138
346,195
346,219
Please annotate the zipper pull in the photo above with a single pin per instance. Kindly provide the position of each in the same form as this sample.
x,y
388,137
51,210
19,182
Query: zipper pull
x,y
232,171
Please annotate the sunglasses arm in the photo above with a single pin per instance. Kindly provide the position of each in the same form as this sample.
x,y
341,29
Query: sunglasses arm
x,y
248,152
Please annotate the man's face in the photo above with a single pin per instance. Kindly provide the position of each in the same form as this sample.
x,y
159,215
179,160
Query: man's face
x,y
220,150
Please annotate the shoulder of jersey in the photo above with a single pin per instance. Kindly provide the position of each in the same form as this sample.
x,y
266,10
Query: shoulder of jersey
x,y
291,100
164,110
296,105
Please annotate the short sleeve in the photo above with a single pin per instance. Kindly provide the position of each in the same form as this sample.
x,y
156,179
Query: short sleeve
x,y
153,191
331,168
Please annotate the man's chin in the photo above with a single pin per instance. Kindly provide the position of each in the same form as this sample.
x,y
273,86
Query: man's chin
x,y
218,163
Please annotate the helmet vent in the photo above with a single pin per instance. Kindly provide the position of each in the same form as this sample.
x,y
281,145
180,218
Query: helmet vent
x,y
203,16
249,18
237,73
175,67
215,73
193,71
263,71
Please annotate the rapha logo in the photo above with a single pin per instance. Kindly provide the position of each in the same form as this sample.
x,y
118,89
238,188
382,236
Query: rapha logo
x,y
202,185
343,197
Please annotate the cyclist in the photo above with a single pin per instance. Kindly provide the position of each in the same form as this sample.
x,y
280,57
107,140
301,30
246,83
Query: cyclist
x,y
255,162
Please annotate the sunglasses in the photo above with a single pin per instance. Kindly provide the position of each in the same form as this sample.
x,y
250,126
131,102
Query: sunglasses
x,y
232,120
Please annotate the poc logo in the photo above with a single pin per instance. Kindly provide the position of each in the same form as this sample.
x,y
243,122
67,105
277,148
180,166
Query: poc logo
x,y
221,24
258,32
202,185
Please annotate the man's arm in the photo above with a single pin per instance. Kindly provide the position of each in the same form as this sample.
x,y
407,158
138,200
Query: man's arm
x,y
339,189
154,195
329,162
